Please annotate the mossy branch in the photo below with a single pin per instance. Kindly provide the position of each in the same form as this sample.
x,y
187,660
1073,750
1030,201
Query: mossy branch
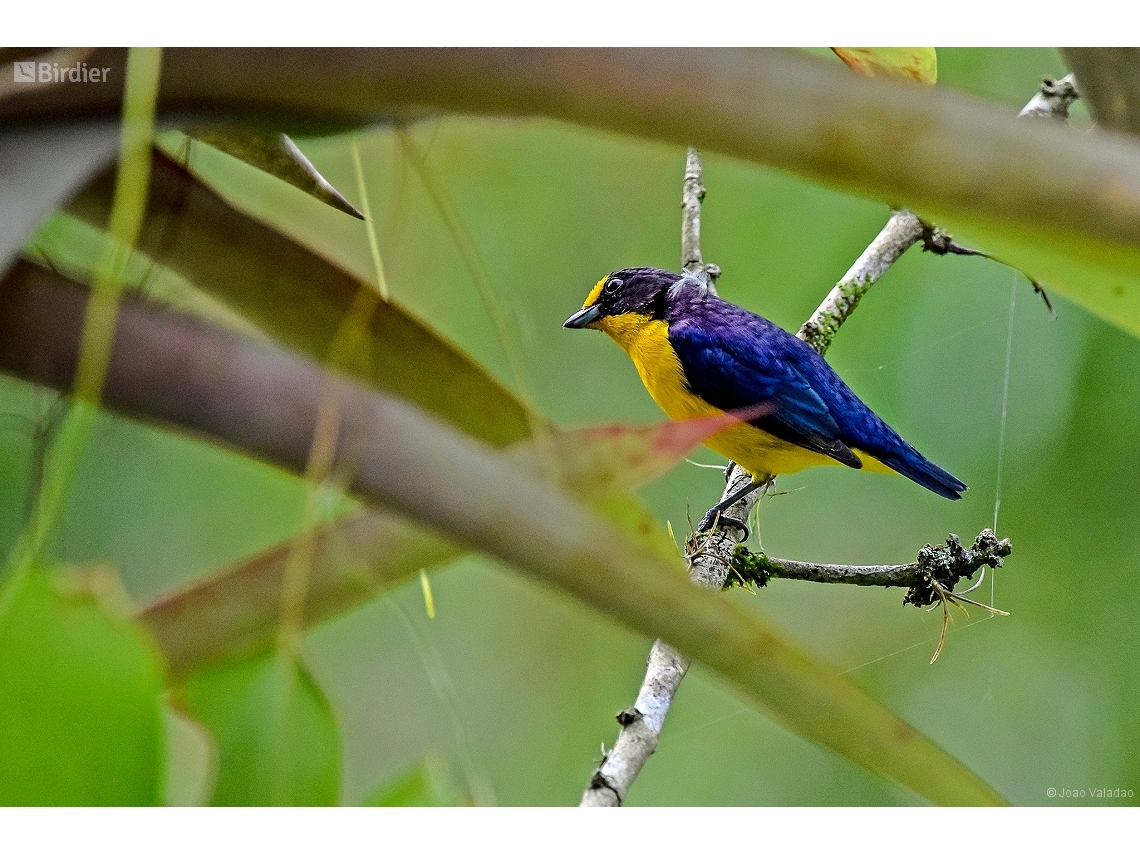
x,y
945,565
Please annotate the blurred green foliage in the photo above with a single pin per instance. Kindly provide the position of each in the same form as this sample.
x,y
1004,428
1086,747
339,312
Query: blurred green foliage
x,y
79,694
277,739
513,687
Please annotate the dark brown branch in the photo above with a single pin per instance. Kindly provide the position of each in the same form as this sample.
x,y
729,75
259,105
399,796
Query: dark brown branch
x,y
775,107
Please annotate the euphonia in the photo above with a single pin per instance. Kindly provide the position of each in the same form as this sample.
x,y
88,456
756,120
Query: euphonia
x,y
699,355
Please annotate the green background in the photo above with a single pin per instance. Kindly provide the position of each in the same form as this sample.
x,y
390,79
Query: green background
x,y
512,688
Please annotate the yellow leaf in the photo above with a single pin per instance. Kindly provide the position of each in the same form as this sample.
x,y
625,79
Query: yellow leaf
x,y
919,65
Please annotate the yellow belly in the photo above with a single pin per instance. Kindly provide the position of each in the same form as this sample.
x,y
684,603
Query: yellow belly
x,y
647,343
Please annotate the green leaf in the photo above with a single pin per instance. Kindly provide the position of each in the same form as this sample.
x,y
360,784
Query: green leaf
x,y
309,304
74,248
276,154
916,64
427,784
79,695
277,741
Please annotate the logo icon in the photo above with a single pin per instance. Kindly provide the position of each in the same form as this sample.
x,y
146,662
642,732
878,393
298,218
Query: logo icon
x,y
24,72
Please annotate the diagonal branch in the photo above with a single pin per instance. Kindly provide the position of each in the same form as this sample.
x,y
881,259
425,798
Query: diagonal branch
x,y
264,401
902,231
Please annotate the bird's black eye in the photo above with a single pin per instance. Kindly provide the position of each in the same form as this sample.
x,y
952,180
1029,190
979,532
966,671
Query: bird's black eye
x,y
612,286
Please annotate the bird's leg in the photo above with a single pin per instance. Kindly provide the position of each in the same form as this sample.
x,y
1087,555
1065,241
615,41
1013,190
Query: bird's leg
x,y
714,516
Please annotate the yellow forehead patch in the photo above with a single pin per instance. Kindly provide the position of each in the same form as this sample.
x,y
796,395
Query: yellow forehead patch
x,y
593,296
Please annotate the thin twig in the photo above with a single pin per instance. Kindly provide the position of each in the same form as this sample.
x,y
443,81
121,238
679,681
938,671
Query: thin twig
x,y
943,565
1052,100
931,578
692,194
904,229
937,241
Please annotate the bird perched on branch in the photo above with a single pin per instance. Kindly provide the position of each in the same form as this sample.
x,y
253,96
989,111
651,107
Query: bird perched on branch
x,y
699,355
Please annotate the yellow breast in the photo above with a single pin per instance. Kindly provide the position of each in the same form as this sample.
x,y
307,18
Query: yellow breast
x,y
647,343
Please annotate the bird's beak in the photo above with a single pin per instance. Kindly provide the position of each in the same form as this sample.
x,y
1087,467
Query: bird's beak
x,y
581,320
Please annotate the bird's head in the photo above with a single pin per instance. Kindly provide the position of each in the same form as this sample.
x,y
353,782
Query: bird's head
x,y
641,291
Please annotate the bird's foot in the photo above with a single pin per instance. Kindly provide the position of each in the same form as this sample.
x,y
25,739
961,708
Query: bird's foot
x,y
714,519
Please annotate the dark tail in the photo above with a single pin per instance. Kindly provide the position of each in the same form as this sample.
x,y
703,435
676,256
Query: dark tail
x,y
917,468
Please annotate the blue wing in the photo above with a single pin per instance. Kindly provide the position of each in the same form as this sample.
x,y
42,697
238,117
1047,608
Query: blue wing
x,y
742,360
734,359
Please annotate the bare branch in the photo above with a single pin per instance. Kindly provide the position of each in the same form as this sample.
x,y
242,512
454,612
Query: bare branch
x,y
709,553
710,558
904,229
946,565
1052,100
640,728
692,194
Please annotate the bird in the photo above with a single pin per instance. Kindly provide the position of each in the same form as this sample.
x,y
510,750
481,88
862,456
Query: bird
x,y
699,355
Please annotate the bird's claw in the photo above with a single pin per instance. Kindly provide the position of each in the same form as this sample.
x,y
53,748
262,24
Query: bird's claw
x,y
714,519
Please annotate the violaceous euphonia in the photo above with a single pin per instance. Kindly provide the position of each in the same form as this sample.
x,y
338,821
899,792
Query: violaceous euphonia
x,y
699,355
